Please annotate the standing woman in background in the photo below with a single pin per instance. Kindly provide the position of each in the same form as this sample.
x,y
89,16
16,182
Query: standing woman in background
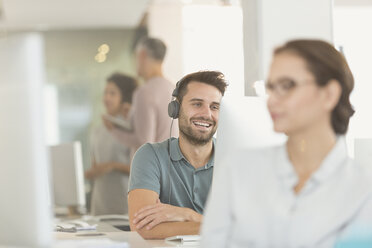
x,y
308,192
111,159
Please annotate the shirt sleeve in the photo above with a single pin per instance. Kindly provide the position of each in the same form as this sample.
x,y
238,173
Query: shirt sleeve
x,y
144,122
145,170
218,215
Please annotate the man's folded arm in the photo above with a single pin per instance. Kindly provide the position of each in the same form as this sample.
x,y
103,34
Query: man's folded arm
x,y
138,199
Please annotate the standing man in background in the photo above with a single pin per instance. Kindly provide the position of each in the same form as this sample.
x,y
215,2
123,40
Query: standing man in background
x,y
149,116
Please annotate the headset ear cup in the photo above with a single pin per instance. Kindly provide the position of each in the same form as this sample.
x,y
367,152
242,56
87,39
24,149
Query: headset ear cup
x,y
173,109
176,109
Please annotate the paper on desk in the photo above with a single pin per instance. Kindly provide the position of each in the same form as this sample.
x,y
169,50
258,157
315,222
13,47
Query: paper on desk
x,y
66,227
188,245
90,243
184,238
191,244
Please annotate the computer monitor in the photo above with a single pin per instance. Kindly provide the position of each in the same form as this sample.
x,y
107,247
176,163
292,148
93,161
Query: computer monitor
x,y
67,174
244,123
25,212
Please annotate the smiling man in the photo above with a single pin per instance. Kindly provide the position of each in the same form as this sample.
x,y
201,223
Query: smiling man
x,y
170,181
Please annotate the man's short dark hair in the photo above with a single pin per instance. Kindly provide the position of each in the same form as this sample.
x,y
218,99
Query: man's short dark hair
x,y
214,78
155,48
126,85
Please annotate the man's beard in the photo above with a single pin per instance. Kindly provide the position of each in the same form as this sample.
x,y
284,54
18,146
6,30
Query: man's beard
x,y
192,136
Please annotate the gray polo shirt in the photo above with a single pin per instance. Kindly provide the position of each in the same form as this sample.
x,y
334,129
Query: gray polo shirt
x,y
171,177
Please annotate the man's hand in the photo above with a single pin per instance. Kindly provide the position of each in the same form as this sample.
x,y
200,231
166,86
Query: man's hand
x,y
153,215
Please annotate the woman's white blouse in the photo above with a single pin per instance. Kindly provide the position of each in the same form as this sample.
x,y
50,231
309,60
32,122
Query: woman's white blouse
x,y
252,202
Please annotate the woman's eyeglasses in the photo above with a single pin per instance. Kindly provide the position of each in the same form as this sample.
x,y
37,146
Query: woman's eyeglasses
x,y
283,87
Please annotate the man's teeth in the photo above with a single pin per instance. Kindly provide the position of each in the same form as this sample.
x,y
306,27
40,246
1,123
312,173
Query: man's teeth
x,y
202,124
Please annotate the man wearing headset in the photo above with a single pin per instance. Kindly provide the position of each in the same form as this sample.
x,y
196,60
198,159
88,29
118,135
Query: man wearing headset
x,y
169,181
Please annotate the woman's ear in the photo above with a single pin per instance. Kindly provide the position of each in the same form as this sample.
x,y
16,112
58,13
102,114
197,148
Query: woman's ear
x,y
332,94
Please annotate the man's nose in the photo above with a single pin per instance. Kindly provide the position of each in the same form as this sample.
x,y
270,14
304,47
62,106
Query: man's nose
x,y
206,111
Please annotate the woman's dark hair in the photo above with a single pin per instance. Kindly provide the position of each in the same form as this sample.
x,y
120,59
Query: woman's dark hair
x,y
326,63
126,85
214,78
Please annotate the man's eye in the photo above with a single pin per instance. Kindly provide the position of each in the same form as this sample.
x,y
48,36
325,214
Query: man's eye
x,y
197,104
215,107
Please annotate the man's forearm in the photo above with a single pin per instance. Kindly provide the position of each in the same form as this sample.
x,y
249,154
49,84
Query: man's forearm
x,y
193,215
168,229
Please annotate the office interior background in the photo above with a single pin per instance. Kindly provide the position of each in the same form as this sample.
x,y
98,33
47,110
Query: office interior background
x,y
83,42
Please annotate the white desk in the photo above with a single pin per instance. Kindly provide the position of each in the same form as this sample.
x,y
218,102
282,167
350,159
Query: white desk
x,y
132,238
162,243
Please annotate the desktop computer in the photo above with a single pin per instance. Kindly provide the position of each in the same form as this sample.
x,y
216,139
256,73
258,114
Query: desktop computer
x,y
25,213
244,123
67,175
363,151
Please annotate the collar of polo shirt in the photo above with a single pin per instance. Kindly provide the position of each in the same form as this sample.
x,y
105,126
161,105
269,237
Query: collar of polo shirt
x,y
176,154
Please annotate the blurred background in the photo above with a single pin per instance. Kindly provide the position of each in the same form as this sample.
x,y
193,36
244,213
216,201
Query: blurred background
x,y
86,41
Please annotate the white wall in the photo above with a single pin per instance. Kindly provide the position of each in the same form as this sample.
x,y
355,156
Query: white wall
x,y
200,37
165,23
215,42
351,25
269,23
210,36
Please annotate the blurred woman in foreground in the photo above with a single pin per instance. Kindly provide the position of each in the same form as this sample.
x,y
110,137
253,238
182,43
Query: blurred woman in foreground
x,y
308,192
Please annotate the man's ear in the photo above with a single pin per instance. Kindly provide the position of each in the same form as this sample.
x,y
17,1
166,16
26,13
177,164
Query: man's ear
x,y
332,94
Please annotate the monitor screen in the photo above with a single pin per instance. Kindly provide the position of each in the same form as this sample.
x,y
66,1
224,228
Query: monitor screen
x,y
244,123
67,174
363,151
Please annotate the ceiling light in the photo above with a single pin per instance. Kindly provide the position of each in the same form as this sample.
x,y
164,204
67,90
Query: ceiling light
x,y
100,57
104,48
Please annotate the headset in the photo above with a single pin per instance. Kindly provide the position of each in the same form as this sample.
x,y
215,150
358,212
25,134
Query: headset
x,y
174,105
